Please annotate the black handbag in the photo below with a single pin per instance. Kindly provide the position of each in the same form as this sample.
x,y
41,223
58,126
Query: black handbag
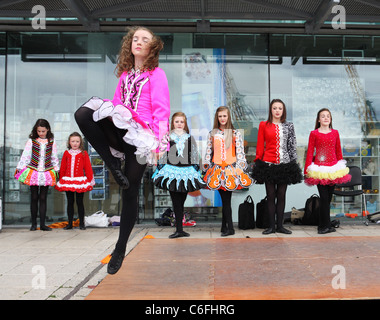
x,y
312,208
262,215
247,214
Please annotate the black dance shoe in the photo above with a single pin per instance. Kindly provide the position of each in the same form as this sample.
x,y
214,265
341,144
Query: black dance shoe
x,y
45,228
115,262
179,234
326,230
120,178
228,233
118,174
269,231
68,227
283,230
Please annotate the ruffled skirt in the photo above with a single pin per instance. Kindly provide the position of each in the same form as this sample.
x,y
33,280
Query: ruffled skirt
x,y
178,179
228,178
328,175
139,134
75,184
282,173
33,177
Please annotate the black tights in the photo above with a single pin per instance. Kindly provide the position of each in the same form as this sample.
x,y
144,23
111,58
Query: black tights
x,y
70,206
227,224
38,197
325,194
178,199
276,191
102,135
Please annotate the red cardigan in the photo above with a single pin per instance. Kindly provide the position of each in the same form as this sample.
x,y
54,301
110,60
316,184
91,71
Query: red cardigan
x,y
276,143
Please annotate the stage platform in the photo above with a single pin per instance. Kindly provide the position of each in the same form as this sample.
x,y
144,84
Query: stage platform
x,y
246,269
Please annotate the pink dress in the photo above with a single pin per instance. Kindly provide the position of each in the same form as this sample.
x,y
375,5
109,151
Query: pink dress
x,y
141,105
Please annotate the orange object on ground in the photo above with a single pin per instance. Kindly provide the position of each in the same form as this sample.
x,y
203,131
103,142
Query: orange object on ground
x,y
351,215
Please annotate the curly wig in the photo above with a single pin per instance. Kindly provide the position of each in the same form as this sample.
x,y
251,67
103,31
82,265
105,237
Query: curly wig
x,y
126,59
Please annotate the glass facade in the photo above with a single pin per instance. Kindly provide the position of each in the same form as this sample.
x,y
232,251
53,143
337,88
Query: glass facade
x,y
49,75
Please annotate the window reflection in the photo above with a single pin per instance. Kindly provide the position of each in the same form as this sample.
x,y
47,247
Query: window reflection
x,y
49,75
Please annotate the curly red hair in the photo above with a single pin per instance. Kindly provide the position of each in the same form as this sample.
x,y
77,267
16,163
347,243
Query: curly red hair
x,y
125,61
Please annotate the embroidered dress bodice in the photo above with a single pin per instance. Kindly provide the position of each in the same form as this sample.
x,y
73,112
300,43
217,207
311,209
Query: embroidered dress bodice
x,y
73,154
183,150
222,154
147,93
327,147
276,143
40,155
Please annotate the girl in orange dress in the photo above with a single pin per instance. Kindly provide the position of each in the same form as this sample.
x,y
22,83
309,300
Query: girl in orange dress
x,y
225,164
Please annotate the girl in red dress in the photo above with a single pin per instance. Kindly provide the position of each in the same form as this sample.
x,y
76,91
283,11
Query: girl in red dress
x,y
327,167
76,177
276,162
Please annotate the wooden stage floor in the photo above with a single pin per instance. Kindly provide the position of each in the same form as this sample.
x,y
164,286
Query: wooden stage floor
x,y
247,268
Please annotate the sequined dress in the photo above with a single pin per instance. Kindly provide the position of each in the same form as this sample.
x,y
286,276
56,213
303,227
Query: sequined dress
x,y
327,166
178,169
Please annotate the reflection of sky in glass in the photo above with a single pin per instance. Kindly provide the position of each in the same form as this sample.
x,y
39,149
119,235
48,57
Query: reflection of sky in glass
x,y
321,86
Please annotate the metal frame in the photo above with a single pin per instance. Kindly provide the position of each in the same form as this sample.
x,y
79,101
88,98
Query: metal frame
x,y
307,17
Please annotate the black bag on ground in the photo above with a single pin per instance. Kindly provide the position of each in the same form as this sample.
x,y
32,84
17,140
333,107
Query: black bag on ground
x,y
247,214
166,218
312,207
262,215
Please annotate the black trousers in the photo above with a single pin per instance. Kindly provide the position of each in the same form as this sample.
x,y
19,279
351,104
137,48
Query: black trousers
x,y
276,196
325,194
102,135
178,200
227,224
71,196
38,200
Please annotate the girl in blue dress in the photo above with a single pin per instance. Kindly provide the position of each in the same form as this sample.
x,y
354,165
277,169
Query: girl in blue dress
x,y
178,171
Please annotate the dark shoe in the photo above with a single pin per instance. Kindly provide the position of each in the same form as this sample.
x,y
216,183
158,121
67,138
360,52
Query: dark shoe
x,y
326,230
68,227
82,227
269,231
115,262
45,228
179,234
118,174
335,223
283,230
120,178
33,227
228,233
